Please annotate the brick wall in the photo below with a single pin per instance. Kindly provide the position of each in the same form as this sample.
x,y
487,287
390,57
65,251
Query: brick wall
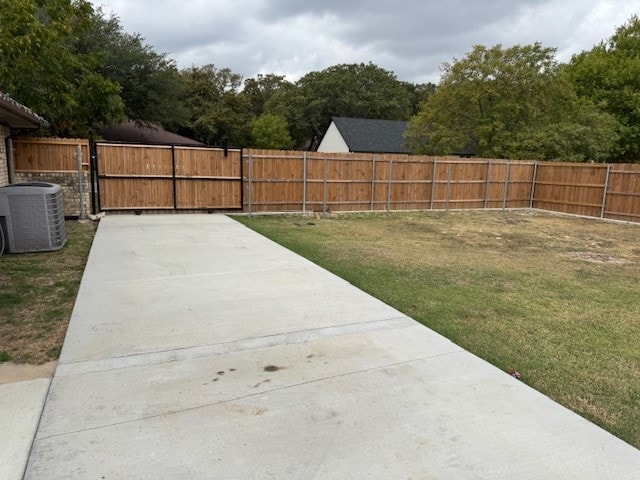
x,y
4,167
70,191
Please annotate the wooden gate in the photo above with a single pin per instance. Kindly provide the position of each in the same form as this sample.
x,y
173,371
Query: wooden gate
x,y
167,177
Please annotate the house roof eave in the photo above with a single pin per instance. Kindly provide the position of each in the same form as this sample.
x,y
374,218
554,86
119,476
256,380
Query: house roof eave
x,y
16,115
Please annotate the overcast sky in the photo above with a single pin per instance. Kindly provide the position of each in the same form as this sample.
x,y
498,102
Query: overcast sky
x,y
410,37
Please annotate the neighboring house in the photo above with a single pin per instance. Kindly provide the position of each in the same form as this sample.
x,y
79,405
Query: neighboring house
x,y
133,132
13,115
364,135
361,135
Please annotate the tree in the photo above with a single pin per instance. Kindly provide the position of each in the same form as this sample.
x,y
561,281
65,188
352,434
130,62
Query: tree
x,y
270,131
79,69
609,76
41,66
216,111
351,90
419,92
150,82
510,103
289,103
259,90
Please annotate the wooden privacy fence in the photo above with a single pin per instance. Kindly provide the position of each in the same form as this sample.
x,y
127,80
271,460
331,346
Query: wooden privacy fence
x,y
596,190
167,177
314,181
277,181
63,161
49,154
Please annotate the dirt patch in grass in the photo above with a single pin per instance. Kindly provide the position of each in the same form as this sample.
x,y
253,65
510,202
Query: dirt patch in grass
x,y
37,294
555,298
19,372
595,257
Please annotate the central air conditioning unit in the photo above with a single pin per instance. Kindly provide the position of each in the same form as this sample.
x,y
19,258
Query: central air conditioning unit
x,y
32,217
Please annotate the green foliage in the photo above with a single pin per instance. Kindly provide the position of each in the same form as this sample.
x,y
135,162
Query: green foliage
x,y
150,82
510,103
215,109
586,135
349,90
261,89
289,102
41,66
352,90
271,132
609,76
419,92
78,69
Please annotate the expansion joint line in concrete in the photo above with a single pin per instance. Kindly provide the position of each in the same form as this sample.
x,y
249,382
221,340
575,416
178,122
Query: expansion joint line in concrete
x,y
255,394
102,283
225,348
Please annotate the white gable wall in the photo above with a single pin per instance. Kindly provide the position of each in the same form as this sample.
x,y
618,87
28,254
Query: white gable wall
x,y
333,141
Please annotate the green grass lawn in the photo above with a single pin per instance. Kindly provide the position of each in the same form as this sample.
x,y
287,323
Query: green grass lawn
x,y
556,298
37,293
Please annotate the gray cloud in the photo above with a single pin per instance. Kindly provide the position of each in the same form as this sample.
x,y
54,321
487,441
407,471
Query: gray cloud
x,y
412,38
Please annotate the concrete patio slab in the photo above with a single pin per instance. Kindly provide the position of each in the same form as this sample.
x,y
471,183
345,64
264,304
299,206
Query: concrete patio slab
x,y
198,349
20,408
221,308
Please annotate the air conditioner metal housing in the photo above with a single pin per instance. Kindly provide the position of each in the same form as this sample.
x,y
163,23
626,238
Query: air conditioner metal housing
x,y
32,217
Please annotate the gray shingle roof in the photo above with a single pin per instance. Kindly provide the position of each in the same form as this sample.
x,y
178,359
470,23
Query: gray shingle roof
x,y
16,115
372,136
130,131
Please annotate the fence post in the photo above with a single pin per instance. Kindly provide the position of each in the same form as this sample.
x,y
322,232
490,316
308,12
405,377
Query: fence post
x,y
173,176
487,185
433,181
324,188
389,186
304,182
373,180
606,189
448,186
96,206
506,186
250,182
534,178
10,161
80,180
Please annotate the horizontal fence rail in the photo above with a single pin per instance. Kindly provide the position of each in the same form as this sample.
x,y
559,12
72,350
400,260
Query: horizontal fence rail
x,y
157,177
